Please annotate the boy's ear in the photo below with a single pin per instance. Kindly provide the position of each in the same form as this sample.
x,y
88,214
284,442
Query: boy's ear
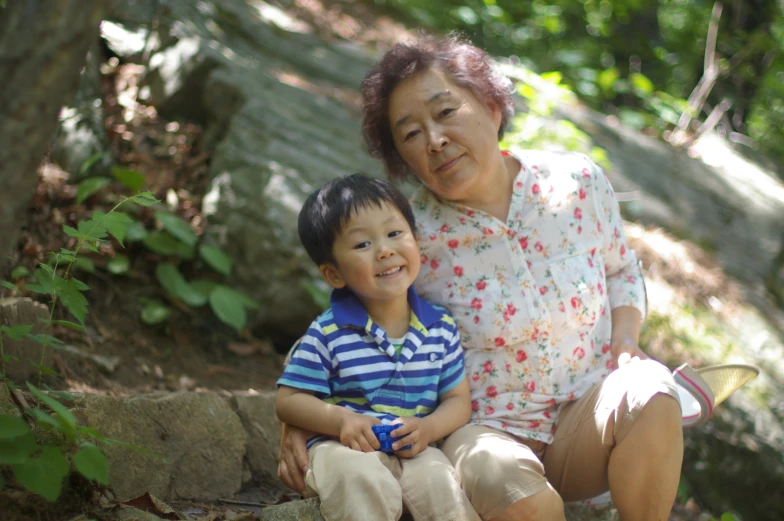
x,y
331,274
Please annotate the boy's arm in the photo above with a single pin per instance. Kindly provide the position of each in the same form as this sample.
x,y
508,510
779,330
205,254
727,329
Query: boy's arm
x,y
453,411
301,409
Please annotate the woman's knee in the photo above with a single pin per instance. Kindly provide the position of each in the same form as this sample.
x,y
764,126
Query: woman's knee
x,y
546,504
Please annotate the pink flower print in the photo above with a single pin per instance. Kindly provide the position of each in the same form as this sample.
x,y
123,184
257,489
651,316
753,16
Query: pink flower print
x,y
434,264
486,230
511,234
470,213
509,406
476,319
605,348
458,271
531,386
474,405
579,352
520,356
576,303
505,316
508,368
481,285
599,227
551,402
578,213
600,288
593,252
610,364
586,173
538,246
542,290
582,193
445,228
590,263
462,220
433,236
488,367
476,304
475,377
524,243
536,425
616,234
518,184
489,411
631,278
571,396
492,391
534,334
499,342
561,307
535,188
423,259
547,414
579,230
623,250
453,243
511,309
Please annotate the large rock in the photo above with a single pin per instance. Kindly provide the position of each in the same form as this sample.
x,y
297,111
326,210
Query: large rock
x,y
257,413
308,510
199,436
18,310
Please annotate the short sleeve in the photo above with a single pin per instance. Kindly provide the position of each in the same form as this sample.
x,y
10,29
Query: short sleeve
x,y
453,368
309,364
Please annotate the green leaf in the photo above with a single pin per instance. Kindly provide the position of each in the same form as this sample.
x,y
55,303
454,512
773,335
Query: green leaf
x,y
11,427
727,516
228,308
19,272
45,420
607,79
17,332
45,339
92,464
642,85
72,298
204,286
89,186
44,474
45,277
154,313
64,416
37,288
92,230
17,450
7,285
178,227
44,369
216,258
90,161
243,297
119,265
115,222
136,231
164,244
69,325
133,179
84,264
175,284
144,199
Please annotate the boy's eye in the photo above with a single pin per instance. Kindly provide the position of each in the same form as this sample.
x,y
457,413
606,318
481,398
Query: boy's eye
x,y
394,233
360,245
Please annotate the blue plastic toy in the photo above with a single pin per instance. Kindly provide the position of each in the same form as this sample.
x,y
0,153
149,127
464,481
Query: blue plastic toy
x,y
383,433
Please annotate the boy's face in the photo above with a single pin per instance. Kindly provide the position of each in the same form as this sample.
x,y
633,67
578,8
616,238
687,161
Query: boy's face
x,y
376,255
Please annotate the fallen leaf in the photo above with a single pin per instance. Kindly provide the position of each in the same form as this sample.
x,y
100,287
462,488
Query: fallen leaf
x,y
154,506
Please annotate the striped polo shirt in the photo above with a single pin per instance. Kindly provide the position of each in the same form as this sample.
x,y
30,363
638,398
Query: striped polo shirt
x,y
346,359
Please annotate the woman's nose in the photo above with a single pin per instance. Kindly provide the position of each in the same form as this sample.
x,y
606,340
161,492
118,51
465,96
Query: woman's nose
x,y
437,141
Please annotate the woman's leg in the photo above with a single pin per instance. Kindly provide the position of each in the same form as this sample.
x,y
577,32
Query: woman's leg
x,y
431,489
623,435
502,477
353,485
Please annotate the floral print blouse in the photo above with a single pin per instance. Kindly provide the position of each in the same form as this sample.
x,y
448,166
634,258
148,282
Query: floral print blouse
x,y
532,296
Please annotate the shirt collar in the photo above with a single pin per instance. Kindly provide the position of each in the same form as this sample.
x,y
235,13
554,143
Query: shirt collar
x,y
348,310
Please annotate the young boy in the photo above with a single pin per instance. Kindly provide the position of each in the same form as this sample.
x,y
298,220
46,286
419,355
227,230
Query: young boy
x,y
380,354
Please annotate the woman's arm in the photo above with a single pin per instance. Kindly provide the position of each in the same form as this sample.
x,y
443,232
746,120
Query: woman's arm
x,y
625,338
293,459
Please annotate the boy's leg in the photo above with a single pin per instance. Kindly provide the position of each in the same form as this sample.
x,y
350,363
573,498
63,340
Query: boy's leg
x,y
353,485
431,490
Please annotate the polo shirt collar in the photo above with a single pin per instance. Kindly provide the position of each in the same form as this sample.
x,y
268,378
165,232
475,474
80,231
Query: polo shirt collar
x,y
348,310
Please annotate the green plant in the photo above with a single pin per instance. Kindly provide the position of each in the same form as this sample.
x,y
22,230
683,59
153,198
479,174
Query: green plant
x,y
173,239
39,454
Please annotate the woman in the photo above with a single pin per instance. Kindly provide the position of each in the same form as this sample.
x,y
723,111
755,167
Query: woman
x,y
528,253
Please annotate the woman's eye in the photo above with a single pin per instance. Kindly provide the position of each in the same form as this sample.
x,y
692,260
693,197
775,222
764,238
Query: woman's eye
x,y
360,245
410,135
446,112
394,233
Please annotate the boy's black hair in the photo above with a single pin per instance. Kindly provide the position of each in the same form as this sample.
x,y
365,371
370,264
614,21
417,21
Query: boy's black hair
x,y
329,208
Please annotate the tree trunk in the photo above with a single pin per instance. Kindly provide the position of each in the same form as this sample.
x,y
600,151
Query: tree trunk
x,y
43,44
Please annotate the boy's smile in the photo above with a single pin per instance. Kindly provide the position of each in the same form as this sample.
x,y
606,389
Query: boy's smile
x,y
376,255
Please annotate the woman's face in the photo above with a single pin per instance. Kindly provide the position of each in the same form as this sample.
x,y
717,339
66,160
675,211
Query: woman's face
x,y
445,135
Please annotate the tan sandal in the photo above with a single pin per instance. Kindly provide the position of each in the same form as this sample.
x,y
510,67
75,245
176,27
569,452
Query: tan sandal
x,y
702,390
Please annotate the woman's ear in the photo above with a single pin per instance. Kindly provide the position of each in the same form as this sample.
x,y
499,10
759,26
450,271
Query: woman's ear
x,y
496,113
332,275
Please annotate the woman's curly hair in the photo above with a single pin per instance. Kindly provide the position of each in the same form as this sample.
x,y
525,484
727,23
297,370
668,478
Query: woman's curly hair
x,y
466,65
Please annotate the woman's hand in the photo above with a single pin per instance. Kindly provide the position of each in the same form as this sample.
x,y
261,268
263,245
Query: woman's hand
x,y
412,431
293,459
356,432
625,335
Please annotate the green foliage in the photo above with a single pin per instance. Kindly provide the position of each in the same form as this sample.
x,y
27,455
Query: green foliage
x,y
39,455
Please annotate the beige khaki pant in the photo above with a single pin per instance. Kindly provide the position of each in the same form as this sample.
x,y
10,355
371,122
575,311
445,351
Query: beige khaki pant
x,y
374,486
498,469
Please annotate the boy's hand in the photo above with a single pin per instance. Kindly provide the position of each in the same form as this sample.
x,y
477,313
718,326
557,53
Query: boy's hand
x,y
356,432
413,431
